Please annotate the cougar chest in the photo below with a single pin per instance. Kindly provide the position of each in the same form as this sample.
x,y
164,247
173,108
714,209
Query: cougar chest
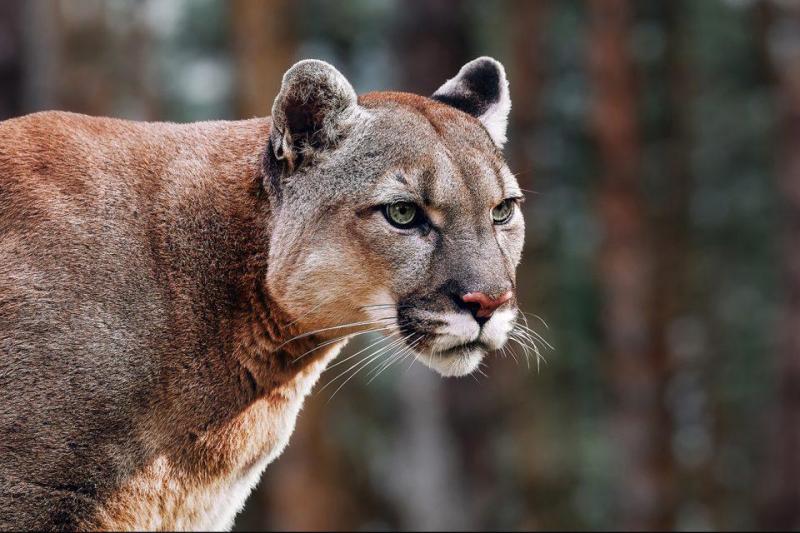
x,y
205,486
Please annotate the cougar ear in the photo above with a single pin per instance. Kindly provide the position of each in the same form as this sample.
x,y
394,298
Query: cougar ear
x,y
315,105
481,89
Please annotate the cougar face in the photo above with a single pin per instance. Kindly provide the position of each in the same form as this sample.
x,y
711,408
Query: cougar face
x,y
397,213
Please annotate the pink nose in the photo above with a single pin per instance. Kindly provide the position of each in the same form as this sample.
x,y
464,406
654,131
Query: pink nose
x,y
486,304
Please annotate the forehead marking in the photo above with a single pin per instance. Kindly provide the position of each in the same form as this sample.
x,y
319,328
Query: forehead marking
x,y
462,161
426,186
479,186
497,170
399,176
439,185
463,185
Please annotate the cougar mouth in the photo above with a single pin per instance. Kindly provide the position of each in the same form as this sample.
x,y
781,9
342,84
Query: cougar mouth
x,y
456,361
462,348
451,342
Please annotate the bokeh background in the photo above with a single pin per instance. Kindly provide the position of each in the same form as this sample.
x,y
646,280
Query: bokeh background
x,y
660,141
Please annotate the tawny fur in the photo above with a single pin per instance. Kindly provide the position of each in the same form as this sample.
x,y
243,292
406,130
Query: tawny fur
x,y
147,237
153,278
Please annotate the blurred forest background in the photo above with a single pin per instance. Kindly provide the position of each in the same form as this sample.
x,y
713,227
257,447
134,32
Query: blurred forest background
x,y
662,139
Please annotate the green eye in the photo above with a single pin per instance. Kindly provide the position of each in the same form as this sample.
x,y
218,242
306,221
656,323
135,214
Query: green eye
x,y
502,213
401,214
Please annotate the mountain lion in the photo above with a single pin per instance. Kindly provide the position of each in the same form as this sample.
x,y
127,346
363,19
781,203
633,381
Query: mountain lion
x,y
170,293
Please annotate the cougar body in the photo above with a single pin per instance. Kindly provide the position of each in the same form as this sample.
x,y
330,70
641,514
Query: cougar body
x,y
170,293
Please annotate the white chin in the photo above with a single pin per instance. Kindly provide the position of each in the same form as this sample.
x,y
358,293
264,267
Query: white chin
x,y
456,365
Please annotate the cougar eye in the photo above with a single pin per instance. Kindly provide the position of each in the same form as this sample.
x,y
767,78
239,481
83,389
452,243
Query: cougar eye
x,y
501,214
402,214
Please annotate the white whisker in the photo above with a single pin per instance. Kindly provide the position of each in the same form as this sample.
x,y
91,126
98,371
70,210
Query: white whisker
x,y
362,364
350,325
343,337
349,357
525,348
537,335
366,359
532,343
537,317
394,358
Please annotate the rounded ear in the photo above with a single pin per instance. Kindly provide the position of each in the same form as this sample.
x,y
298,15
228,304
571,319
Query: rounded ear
x,y
312,110
481,89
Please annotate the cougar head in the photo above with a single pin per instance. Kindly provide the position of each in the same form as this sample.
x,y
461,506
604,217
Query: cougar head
x,y
396,213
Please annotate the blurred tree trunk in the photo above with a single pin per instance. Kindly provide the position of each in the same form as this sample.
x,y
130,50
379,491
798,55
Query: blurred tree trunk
x,y
638,372
669,281
782,508
431,43
70,59
525,80
527,25
424,483
11,71
82,83
264,47
42,54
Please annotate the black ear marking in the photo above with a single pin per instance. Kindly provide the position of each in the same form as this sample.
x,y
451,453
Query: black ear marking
x,y
480,89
